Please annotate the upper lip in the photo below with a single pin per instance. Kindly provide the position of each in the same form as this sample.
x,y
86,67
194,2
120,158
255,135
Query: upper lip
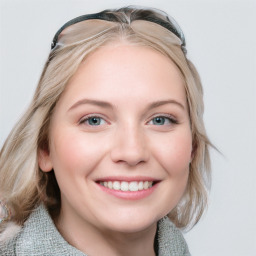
x,y
128,179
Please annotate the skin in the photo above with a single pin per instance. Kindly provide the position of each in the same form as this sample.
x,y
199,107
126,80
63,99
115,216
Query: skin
x,y
127,143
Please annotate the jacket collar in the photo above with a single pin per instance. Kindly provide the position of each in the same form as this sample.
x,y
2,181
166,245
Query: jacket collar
x,y
40,236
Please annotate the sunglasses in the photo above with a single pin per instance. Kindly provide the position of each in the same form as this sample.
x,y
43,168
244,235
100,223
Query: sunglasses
x,y
134,13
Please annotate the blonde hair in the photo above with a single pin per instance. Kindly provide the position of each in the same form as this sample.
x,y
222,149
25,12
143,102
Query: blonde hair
x,y
23,185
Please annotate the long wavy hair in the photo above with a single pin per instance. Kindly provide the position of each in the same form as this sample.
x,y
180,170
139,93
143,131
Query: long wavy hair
x,y
23,185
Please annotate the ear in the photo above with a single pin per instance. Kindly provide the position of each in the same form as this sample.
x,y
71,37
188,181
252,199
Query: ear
x,y
44,160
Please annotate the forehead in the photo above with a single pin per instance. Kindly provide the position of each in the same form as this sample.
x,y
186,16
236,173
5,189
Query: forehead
x,y
124,70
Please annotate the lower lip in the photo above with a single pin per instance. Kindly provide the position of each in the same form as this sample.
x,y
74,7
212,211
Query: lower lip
x,y
129,195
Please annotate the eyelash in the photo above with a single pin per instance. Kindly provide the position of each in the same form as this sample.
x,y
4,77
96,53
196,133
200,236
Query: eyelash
x,y
84,120
171,119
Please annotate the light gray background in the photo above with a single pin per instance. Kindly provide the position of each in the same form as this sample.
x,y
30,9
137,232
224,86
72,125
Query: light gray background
x,y
221,42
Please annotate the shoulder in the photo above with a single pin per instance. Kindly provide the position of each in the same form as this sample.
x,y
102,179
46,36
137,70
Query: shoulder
x,y
8,238
170,239
38,236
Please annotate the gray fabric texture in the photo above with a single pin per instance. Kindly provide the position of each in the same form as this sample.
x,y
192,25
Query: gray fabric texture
x,y
39,237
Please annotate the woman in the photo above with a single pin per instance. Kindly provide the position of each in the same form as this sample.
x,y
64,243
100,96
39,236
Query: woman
x,y
111,157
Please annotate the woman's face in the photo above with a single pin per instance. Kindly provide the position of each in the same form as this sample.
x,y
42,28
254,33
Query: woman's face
x,y
120,140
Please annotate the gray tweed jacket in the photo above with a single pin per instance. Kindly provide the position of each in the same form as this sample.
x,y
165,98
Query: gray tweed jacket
x,y
39,237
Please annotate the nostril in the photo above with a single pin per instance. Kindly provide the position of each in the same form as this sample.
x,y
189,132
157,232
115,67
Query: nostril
x,y
129,146
129,157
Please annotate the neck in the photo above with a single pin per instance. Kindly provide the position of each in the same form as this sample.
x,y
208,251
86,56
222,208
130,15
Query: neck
x,y
139,243
96,241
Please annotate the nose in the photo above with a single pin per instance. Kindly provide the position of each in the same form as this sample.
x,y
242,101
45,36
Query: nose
x,y
130,146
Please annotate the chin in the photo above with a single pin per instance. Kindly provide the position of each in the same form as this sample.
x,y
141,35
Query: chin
x,y
131,223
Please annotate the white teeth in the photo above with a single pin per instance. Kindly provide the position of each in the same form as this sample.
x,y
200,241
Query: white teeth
x,y
141,185
124,186
133,186
110,184
127,186
116,185
145,185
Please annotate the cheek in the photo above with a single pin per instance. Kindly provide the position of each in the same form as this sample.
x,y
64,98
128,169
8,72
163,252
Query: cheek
x,y
175,154
74,152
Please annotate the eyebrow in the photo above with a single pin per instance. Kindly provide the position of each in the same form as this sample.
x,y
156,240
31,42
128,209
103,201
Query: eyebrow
x,y
164,102
99,103
105,104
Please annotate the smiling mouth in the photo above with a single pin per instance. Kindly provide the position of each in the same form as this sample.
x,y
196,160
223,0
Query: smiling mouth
x,y
132,186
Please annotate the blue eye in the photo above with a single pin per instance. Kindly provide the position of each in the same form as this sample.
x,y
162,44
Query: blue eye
x,y
162,120
94,121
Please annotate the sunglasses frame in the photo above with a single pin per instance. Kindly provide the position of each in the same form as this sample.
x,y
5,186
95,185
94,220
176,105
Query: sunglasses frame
x,y
145,14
